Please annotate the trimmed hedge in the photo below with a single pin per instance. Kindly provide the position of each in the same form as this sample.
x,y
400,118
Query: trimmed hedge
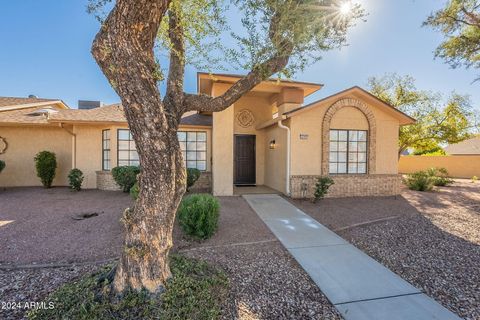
x,y
134,191
198,215
125,176
46,164
75,179
192,176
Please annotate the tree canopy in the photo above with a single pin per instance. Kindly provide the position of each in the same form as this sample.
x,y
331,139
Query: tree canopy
x,y
459,22
440,120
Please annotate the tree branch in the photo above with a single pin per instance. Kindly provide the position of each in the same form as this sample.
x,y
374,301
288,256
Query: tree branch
x,y
238,89
176,73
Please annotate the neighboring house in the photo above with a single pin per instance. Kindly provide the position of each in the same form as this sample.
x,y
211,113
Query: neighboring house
x,y
466,147
266,138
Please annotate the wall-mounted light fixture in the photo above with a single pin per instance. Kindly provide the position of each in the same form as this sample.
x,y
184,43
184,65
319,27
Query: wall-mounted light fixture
x,y
272,144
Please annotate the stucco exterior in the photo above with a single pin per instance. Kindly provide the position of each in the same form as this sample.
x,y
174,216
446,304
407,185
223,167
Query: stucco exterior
x,y
291,141
23,144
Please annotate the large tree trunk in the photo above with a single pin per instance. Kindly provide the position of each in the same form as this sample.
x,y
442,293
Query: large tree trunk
x,y
149,224
123,48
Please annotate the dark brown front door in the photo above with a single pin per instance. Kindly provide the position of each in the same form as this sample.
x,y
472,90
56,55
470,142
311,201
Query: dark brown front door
x,y
244,160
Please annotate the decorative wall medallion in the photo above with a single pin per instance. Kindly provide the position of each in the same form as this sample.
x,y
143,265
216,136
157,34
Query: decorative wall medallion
x,y
245,118
3,145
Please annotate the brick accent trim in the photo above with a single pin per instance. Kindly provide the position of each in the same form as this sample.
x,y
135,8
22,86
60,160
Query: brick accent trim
x,y
355,185
372,131
105,181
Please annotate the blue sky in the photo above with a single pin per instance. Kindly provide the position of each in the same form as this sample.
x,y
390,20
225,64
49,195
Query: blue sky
x,y
45,50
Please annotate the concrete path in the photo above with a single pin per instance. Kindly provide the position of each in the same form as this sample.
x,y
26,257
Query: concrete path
x,y
358,286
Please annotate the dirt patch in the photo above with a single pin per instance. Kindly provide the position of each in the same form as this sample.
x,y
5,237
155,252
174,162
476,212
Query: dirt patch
x,y
42,229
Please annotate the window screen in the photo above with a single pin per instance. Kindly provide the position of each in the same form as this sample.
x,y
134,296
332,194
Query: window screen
x,y
127,153
348,152
106,150
194,148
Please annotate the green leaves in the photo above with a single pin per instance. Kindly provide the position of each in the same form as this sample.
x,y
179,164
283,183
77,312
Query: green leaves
x,y
46,164
459,22
439,120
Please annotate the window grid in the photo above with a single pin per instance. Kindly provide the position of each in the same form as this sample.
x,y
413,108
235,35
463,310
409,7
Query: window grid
x,y
348,152
106,149
194,148
126,151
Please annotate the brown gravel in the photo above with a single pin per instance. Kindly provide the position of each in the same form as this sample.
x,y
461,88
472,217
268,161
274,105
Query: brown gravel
x,y
22,286
43,229
266,281
434,244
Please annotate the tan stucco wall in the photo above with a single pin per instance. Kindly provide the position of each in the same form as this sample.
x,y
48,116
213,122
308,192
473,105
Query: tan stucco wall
x,y
262,111
307,154
222,152
276,159
457,166
23,144
89,153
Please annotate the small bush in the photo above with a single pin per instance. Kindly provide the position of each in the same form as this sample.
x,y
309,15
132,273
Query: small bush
x,y
192,176
439,177
198,215
75,179
474,178
134,191
321,187
46,164
419,181
125,176
2,165
195,291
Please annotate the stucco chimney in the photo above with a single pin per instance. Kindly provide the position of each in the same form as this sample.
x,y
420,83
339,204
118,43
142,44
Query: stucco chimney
x,y
289,99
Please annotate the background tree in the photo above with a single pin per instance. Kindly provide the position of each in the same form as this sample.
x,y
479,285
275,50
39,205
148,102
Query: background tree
x,y
439,120
459,22
276,37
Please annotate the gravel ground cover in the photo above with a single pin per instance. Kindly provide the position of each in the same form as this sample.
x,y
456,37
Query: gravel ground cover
x,y
266,282
434,244
43,228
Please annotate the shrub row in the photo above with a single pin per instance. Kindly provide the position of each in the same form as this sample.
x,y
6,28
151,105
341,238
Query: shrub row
x,y
426,180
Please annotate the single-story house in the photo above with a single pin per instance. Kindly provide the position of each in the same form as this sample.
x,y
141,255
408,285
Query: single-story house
x,y
268,137
467,147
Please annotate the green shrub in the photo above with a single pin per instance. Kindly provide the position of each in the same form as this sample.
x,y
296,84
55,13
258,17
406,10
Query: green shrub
x,y
195,291
2,165
474,178
46,164
192,176
439,177
419,181
134,191
75,179
321,187
198,215
125,176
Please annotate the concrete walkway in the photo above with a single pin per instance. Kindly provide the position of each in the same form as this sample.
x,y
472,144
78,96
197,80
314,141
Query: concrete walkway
x,y
358,286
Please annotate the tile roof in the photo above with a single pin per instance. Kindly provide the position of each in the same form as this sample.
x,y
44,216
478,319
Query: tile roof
x,y
106,114
22,116
197,119
13,101
470,146
109,113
